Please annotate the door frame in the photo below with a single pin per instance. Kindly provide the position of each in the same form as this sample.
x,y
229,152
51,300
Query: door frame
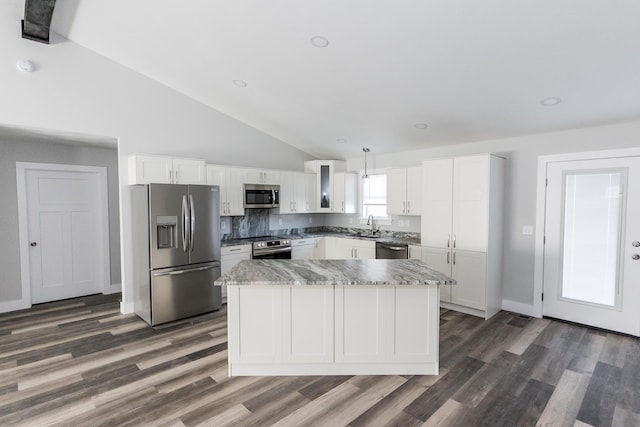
x,y
23,222
541,209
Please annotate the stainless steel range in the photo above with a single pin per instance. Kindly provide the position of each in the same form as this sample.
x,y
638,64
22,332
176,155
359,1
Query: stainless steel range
x,y
272,248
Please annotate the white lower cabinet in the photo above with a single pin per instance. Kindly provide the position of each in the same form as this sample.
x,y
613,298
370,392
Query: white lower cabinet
x,y
307,324
415,252
304,249
229,257
340,248
333,330
282,324
472,292
391,324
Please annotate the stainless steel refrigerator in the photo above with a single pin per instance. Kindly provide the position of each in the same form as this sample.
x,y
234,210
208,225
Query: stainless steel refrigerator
x,y
176,240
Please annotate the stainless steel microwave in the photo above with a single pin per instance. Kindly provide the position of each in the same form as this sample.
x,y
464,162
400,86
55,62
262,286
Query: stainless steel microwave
x,y
261,196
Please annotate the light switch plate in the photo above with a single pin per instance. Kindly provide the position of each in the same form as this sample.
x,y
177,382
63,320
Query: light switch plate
x,y
527,230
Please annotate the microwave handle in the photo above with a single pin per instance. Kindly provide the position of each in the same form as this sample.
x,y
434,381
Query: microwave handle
x,y
273,197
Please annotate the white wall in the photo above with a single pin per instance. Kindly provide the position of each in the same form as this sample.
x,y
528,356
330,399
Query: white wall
x,y
76,90
521,173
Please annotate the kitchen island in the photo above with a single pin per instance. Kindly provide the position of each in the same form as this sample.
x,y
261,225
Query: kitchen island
x,y
333,317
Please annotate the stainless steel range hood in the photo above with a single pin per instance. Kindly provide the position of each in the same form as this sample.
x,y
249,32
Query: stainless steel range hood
x,y
37,20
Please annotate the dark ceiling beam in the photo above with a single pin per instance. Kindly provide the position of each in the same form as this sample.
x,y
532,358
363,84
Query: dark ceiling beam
x,y
37,20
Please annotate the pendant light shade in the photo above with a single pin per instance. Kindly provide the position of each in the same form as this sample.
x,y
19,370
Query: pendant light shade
x,y
366,150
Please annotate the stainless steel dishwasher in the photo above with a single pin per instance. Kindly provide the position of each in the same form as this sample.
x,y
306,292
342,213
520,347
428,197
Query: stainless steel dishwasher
x,y
391,251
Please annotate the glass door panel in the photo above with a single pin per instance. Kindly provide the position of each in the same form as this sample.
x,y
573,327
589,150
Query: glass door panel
x,y
591,241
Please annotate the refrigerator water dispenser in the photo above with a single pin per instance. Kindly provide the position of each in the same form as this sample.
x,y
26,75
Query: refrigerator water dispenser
x,y
167,232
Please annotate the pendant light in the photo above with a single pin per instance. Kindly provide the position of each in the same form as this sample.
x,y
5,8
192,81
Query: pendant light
x,y
366,150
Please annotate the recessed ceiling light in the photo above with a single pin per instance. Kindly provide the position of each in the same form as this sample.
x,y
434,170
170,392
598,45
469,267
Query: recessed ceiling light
x,y
341,140
551,101
319,41
240,83
25,66
421,125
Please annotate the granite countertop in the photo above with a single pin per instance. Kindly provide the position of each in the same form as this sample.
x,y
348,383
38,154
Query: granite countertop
x,y
382,239
334,272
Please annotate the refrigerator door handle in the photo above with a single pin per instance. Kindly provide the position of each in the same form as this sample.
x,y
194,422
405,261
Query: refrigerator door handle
x,y
192,215
188,270
185,223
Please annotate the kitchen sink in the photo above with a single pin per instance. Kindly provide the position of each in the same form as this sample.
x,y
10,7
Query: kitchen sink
x,y
368,235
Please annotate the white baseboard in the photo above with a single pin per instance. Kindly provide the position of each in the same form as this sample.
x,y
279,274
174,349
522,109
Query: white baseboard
x,y
14,305
126,308
518,307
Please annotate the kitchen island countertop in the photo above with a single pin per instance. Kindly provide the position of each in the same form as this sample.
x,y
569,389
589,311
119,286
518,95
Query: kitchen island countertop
x,y
334,272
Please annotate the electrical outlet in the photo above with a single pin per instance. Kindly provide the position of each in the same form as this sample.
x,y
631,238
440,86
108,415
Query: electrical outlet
x,y
223,226
527,230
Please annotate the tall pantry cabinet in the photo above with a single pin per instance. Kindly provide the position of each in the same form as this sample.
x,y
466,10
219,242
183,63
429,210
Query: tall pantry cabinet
x,y
462,229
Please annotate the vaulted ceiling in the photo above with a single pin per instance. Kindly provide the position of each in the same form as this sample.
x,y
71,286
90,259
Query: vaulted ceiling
x,y
469,70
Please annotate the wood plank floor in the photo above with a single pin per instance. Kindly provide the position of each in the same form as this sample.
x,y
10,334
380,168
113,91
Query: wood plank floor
x,y
80,362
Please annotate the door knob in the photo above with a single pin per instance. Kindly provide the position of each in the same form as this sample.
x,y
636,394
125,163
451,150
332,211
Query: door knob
x,y
33,244
635,244
635,257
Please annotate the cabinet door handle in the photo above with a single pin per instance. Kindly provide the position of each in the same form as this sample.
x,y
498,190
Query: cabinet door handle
x,y
454,242
356,249
408,206
448,256
454,258
175,176
403,207
234,250
342,206
448,240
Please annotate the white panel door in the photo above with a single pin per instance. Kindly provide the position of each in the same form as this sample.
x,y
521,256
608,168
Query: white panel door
x,y
437,201
592,249
64,226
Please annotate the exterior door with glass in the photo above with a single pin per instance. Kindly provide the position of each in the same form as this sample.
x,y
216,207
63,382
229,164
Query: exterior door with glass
x,y
592,243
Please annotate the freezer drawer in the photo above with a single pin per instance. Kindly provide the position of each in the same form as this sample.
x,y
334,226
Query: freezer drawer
x,y
182,292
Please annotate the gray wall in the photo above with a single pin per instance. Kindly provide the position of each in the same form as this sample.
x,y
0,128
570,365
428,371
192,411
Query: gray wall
x,y
12,151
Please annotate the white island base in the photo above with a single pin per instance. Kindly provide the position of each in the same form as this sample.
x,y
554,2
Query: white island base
x,y
333,329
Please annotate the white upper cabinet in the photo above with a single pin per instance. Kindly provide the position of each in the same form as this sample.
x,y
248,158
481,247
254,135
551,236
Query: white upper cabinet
x,y
146,169
471,203
230,182
345,192
325,188
257,176
297,192
437,203
404,191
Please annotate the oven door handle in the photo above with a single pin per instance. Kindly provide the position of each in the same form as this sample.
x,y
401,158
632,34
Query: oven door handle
x,y
271,251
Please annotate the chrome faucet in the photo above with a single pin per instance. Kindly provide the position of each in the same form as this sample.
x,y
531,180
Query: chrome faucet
x,y
371,222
